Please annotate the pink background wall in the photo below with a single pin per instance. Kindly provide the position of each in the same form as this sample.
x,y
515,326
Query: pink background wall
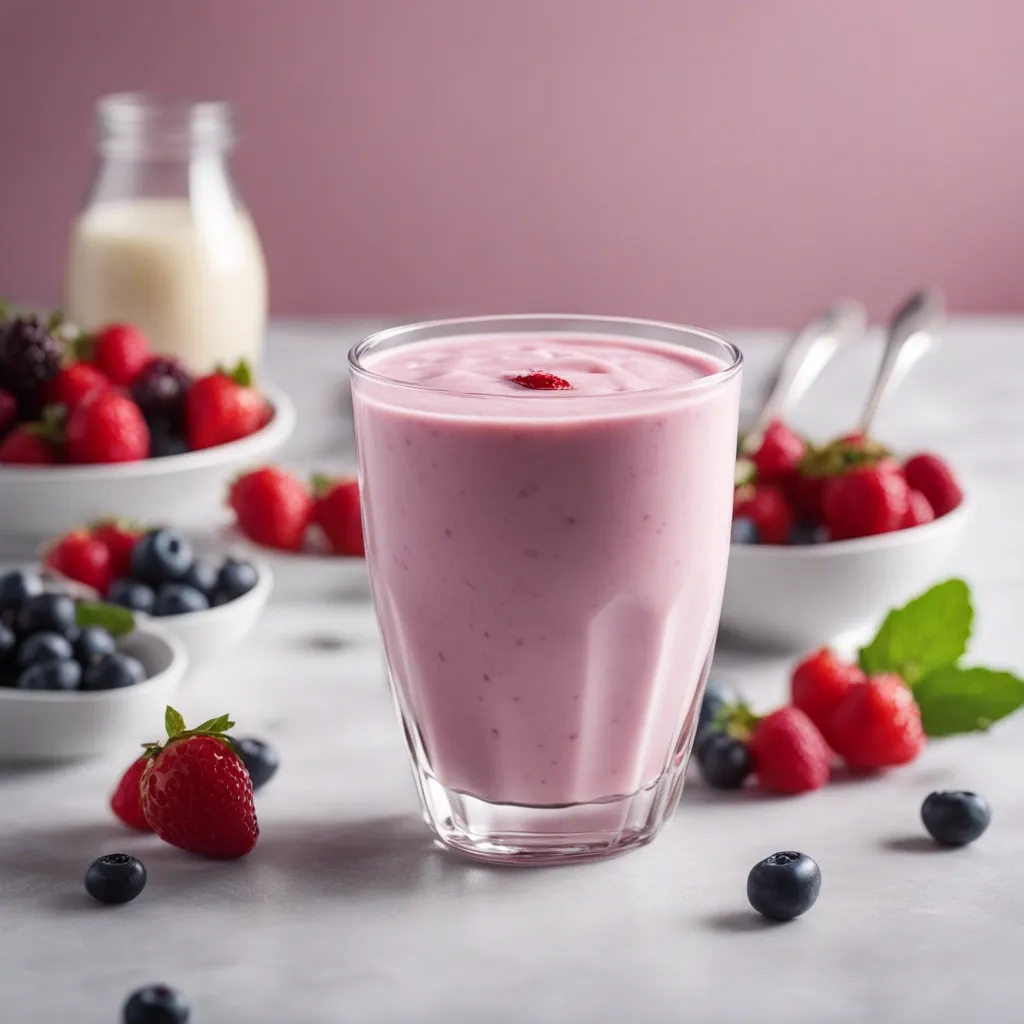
x,y
722,161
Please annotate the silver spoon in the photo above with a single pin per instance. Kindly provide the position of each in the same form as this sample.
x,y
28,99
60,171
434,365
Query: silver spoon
x,y
807,355
911,333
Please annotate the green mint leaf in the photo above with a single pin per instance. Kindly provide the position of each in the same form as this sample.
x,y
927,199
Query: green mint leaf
x,y
113,618
929,633
954,700
173,722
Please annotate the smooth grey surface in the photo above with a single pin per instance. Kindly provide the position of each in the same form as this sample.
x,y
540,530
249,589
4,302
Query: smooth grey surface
x,y
345,913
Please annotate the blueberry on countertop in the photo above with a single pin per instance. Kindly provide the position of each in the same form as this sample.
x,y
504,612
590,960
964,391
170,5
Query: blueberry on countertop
x,y
261,760
716,698
156,1004
784,885
724,760
955,817
115,878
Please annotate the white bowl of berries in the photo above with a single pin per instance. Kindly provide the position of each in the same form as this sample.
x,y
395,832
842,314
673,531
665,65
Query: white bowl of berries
x,y
99,422
77,679
208,601
825,538
311,533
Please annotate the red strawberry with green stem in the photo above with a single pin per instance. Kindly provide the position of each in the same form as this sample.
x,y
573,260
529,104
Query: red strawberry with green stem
x,y
223,407
935,480
28,445
866,501
765,505
272,507
126,800
337,513
779,453
74,384
919,510
119,351
196,791
820,682
81,556
106,427
119,536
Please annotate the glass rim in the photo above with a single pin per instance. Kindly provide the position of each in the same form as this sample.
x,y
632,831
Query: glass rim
x,y
607,326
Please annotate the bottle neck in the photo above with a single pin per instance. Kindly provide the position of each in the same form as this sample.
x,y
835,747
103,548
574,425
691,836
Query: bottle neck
x,y
132,126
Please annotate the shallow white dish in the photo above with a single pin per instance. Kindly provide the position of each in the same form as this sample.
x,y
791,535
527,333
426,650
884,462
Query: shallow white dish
x,y
796,597
40,501
303,574
37,726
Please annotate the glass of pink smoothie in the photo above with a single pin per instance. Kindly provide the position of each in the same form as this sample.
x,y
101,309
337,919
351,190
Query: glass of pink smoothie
x,y
547,506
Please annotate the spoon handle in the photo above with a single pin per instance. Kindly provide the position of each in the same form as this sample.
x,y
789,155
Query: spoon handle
x,y
808,354
910,335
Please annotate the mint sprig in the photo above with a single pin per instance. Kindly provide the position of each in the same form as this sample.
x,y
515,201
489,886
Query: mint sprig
x,y
928,633
117,621
923,643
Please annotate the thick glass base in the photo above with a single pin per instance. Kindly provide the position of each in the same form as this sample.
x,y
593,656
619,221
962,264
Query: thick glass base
x,y
514,834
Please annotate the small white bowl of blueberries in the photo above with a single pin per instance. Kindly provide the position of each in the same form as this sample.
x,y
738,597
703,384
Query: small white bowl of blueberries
x,y
208,602
77,679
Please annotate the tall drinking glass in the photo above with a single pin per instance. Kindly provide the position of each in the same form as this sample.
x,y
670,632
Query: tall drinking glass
x,y
547,506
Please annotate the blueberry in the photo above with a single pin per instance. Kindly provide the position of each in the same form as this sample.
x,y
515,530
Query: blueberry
x,y
955,817
51,675
179,599
156,1004
50,612
132,594
161,556
93,643
16,588
71,634
744,531
261,760
716,697
163,444
236,578
804,533
8,643
784,885
114,672
115,878
42,647
724,760
203,576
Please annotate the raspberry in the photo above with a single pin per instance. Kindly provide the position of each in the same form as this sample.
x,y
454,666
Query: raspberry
x,y
779,454
159,390
789,753
538,380
766,507
935,480
819,683
877,724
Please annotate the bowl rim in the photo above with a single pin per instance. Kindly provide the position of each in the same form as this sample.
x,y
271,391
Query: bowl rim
x,y
230,534
211,616
879,542
178,666
278,430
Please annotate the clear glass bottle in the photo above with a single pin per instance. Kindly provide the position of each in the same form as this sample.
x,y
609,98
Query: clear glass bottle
x,y
164,240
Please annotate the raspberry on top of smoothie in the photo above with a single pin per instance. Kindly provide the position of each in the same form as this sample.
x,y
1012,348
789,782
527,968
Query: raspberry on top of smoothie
x,y
538,380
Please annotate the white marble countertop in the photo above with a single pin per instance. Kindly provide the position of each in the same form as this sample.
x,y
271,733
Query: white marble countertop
x,y
346,913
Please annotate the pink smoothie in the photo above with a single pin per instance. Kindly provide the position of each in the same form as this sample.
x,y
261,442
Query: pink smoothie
x,y
547,566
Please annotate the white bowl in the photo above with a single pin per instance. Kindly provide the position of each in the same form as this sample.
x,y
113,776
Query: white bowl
x,y
40,501
38,726
304,574
795,597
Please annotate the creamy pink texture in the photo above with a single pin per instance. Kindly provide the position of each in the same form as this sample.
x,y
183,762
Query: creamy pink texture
x,y
547,567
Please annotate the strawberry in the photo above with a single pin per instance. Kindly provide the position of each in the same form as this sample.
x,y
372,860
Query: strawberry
x,y
273,508
8,410
74,384
779,454
120,352
865,501
80,556
805,493
789,753
27,446
126,800
877,724
539,380
107,427
119,537
766,507
223,407
196,792
337,513
819,683
935,480
919,510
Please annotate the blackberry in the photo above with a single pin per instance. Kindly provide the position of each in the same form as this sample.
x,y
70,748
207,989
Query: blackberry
x,y
29,357
159,390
